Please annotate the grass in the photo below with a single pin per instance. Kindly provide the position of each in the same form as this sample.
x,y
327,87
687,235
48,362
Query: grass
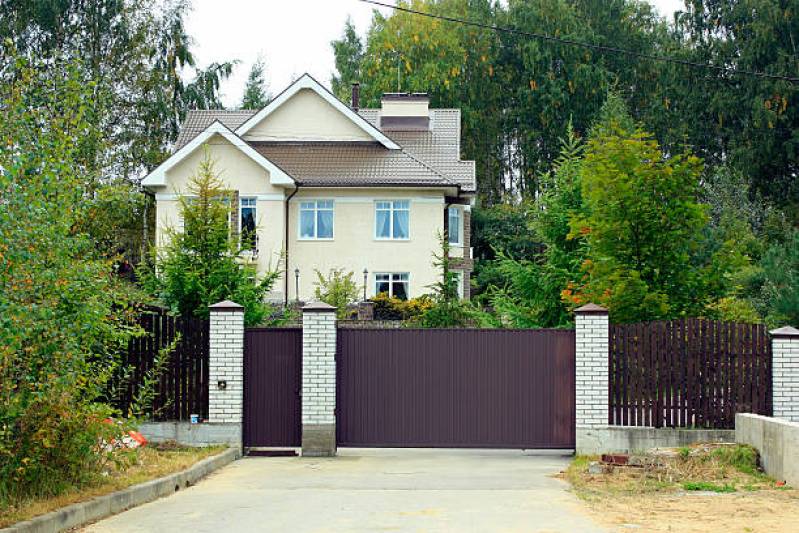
x,y
717,468
150,462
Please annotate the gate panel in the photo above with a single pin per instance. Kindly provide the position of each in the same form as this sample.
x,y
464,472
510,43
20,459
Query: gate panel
x,y
455,388
272,381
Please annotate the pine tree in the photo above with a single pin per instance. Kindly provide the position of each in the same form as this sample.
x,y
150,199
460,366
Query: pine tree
x,y
255,93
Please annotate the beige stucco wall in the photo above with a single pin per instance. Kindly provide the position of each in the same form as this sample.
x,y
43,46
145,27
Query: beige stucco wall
x,y
307,116
354,246
239,172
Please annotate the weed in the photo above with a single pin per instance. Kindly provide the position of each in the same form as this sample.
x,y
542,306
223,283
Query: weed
x,y
706,485
685,452
742,458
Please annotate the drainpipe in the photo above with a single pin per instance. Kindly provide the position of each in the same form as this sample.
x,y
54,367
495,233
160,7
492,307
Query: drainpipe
x,y
286,218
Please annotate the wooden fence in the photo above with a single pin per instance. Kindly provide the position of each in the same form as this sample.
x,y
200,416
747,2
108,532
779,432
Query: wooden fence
x,y
688,373
182,385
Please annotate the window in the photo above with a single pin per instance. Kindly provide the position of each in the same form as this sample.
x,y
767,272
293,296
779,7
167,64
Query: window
x,y
454,225
394,284
316,219
392,219
247,218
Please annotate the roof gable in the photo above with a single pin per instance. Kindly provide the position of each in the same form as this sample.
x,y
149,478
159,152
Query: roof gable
x,y
157,178
357,127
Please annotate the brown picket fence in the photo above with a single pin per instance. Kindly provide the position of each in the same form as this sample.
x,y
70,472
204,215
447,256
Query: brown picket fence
x,y
688,373
182,385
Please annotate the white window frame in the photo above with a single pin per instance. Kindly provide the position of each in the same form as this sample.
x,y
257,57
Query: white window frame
x,y
460,277
452,209
391,211
254,206
391,282
315,209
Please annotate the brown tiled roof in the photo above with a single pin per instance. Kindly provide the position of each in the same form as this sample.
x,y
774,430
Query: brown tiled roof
x,y
439,147
427,157
198,119
349,165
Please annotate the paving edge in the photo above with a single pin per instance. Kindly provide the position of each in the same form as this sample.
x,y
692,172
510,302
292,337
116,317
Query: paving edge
x,y
79,514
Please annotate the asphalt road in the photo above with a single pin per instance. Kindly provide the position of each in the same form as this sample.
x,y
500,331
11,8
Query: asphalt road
x,y
371,490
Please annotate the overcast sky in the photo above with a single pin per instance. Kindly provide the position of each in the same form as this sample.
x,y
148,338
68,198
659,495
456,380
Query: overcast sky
x,y
292,36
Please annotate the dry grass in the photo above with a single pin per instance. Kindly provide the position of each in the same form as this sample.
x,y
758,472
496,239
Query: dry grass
x,y
150,462
703,488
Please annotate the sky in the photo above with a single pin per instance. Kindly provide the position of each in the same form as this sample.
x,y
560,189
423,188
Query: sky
x,y
292,36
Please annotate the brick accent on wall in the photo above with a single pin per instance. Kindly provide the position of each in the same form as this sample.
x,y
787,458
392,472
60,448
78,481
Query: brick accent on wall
x,y
226,359
318,380
785,373
591,365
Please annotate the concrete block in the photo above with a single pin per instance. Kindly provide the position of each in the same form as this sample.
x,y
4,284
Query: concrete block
x,y
319,440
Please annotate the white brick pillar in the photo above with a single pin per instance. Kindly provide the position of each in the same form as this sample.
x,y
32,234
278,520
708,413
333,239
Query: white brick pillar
x,y
591,379
785,373
319,380
226,365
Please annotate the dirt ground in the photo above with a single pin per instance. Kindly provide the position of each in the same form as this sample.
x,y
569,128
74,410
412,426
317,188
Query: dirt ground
x,y
701,512
703,488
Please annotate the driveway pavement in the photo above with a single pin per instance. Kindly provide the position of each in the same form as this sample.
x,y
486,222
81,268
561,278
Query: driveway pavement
x,y
371,490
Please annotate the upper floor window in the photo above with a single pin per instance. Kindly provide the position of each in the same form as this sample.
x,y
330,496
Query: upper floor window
x,y
454,226
247,221
316,219
392,219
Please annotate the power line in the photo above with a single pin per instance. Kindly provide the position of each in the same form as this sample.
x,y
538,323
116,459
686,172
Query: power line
x,y
598,47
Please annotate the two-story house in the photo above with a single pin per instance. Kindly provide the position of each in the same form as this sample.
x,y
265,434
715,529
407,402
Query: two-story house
x,y
322,185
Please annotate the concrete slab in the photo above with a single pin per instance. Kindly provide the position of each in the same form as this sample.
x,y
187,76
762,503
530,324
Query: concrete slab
x,y
371,490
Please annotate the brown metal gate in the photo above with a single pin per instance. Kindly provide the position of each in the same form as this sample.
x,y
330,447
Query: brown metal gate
x,y
455,388
272,381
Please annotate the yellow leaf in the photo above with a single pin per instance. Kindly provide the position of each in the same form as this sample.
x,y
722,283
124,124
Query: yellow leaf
x,y
533,85
490,70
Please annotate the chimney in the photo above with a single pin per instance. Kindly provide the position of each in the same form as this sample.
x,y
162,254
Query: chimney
x,y
405,112
355,103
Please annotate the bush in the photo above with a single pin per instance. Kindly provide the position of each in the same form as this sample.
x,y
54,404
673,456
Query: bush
x,y
63,317
390,308
338,289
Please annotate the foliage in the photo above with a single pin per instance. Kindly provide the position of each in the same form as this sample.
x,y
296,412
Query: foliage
x,y
641,226
780,282
199,265
255,93
348,53
537,292
733,309
338,289
392,308
63,318
448,310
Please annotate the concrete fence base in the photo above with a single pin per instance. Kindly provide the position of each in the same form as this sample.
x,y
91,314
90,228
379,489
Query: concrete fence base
x,y
776,440
629,439
187,434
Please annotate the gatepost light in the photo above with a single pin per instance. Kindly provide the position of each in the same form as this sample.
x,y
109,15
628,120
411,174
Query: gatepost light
x,y
297,283
365,278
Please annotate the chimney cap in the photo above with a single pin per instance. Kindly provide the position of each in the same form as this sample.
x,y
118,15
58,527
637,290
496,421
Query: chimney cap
x,y
406,96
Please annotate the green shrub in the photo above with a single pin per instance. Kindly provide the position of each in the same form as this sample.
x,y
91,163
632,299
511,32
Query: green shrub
x,y
391,308
338,289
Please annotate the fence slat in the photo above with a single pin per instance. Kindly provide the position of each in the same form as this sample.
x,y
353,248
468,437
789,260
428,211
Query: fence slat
x,y
688,373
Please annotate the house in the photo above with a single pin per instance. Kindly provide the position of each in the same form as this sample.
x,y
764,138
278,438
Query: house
x,y
322,184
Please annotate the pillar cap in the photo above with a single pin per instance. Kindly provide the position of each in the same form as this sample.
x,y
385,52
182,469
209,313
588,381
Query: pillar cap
x,y
591,309
784,333
318,307
226,305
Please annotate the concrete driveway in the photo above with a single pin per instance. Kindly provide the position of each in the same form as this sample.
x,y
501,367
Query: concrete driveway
x,y
371,490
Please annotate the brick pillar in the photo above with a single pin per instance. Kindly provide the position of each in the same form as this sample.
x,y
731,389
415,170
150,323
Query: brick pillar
x,y
785,373
225,368
319,380
591,380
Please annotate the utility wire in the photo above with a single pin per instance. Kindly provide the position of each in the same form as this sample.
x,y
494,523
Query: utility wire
x,y
598,47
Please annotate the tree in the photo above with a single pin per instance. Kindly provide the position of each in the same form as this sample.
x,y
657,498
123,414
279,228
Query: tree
x,y
200,265
348,53
255,94
538,287
642,225
63,318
